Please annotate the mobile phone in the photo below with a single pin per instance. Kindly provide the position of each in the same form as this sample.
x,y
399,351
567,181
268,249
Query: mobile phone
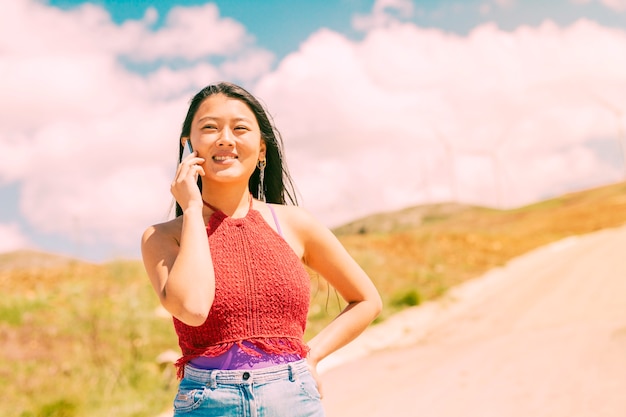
x,y
188,147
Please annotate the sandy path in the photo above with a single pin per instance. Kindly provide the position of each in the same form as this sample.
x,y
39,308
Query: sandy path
x,y
543,336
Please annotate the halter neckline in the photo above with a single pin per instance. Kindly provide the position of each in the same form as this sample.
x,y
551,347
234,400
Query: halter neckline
x,y
215,209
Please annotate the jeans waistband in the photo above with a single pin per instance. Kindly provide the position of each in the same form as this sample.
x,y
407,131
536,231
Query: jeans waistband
x,y
211,377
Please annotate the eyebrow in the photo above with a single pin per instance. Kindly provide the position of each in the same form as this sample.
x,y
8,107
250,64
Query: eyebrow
x,y
237,119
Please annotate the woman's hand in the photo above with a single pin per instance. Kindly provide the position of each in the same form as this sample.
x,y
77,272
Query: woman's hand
x,y
316,376
177,255
184,187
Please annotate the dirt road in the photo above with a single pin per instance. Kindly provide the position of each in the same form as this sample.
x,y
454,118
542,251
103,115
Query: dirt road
x,y
544,336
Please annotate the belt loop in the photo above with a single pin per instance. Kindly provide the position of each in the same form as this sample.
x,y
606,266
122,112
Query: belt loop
x,y
213,379
292,374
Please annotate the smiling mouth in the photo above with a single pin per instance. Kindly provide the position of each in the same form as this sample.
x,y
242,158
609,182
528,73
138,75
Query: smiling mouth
x,y
224,157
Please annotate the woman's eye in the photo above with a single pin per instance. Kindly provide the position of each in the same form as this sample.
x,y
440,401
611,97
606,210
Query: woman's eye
x,y
241,128
209,127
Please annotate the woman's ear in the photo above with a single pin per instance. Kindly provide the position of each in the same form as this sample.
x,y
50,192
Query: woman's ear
x,y
262,150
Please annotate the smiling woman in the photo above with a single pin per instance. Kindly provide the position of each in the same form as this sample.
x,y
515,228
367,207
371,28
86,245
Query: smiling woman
x,y
220,124
230,269
224,112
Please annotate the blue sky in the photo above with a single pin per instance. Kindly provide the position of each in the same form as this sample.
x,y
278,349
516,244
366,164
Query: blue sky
x,y
383,104
281,26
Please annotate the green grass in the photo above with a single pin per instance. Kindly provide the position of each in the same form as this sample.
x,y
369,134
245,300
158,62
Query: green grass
x,y
78,339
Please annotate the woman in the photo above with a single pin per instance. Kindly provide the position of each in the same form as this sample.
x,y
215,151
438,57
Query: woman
x,y
229,268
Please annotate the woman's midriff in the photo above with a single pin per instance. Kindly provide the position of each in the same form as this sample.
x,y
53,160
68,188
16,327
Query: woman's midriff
x,y
237,358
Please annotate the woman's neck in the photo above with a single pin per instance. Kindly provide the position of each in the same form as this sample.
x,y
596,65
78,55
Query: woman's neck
x,y
232,201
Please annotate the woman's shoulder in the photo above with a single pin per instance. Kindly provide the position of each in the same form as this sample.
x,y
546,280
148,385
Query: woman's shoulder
x,y
292,213
160,232
297,217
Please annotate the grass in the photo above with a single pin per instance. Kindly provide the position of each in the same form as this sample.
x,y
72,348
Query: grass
x,y
82,340
79,339
445,246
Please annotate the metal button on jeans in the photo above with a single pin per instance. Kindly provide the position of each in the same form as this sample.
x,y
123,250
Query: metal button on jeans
x,y
246,376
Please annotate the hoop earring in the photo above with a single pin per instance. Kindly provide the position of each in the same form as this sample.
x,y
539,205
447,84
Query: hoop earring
x,y
261,192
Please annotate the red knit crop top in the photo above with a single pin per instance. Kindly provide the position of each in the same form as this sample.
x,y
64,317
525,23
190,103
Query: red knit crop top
x,y
262,292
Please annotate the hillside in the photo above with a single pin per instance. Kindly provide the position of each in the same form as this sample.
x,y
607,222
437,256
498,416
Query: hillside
x,y
418,253
32,259
66,325
401,220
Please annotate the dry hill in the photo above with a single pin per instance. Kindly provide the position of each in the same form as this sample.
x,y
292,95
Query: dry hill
x,y
82,339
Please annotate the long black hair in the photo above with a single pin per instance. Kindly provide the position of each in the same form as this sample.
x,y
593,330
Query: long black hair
x,y
278,185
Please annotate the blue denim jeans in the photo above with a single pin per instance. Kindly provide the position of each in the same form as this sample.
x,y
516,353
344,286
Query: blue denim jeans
x,y
286,390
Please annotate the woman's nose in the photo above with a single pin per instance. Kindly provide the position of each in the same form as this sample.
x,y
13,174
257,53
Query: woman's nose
x,y
225,138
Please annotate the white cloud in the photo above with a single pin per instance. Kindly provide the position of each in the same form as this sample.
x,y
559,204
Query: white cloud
x,y
484,8
189,33
403,116
90,141
616,5
383,109
248,67
384,12
505,3
12,238
73,59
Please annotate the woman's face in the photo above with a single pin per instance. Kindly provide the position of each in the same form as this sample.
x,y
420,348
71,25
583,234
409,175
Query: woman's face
x,y
226,134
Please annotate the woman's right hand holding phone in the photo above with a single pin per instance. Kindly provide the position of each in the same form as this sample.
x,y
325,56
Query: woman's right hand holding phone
x,y
184,188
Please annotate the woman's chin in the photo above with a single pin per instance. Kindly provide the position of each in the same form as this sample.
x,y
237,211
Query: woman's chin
x,y
227,176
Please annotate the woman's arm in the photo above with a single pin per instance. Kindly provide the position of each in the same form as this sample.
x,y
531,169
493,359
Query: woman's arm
x,y
326,255
181,272
176,255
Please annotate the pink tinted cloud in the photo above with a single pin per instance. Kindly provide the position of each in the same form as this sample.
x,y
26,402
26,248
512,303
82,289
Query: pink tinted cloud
x,y
189,33
12,238
90,141
490,105
380,15
617,5
404,116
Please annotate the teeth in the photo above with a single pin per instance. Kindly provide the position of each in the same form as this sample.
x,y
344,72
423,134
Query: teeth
x,y
223,158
